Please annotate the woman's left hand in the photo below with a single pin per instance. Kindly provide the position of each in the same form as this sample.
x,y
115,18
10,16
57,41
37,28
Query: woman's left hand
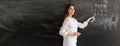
x,y
93,17
78,33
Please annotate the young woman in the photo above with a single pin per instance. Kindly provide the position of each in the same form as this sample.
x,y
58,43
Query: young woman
x,y
69,27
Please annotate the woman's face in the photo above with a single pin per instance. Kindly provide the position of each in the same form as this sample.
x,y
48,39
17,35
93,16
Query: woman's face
x,y
71,10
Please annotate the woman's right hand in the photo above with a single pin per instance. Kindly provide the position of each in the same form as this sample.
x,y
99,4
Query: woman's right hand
x,y
74,34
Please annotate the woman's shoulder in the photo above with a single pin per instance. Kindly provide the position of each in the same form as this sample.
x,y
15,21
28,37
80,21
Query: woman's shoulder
x,y
67,19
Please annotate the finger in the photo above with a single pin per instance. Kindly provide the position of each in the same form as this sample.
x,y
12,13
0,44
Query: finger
x,y
91,17
79,34
94,18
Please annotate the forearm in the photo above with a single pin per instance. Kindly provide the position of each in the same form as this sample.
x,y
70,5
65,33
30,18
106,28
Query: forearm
x,y
88,20
73,34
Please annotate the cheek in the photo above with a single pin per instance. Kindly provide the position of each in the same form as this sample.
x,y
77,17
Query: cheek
x,y
73,11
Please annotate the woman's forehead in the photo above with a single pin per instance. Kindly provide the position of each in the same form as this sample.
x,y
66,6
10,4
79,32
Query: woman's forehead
x,y
71,6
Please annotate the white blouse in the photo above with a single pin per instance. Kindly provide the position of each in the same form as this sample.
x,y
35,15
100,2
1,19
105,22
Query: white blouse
x,y
70,25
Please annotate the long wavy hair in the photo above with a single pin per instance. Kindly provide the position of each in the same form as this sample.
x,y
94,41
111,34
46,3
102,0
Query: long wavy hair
x,y
66,10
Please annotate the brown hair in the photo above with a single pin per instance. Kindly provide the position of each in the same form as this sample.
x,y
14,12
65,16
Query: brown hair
x,y
67,7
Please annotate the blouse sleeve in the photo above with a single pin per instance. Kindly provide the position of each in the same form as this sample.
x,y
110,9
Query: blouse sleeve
x,y
63,28
82,25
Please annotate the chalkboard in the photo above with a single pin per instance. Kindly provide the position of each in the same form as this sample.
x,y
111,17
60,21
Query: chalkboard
x,y
37,22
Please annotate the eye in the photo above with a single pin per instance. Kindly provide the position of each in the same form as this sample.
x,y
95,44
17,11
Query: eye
x,y
70,8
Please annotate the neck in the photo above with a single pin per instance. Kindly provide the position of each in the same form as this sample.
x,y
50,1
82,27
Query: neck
x,y
70,16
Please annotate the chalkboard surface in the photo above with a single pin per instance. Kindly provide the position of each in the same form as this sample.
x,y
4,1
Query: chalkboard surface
x,y
37,22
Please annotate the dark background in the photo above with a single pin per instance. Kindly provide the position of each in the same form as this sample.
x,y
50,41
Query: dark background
x,y
37,22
